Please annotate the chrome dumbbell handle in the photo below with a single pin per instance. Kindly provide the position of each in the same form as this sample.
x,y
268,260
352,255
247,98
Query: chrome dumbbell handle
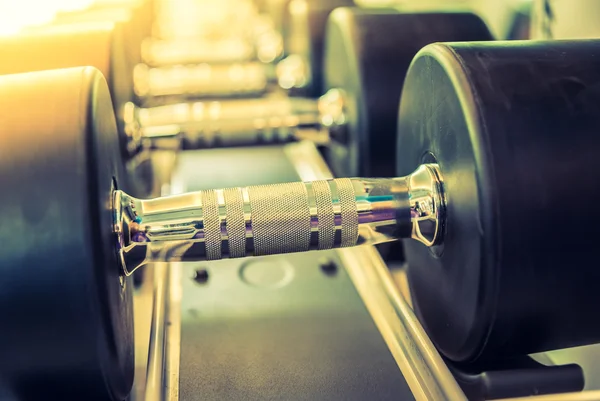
x,y
157,52
201,80
232,133
235,133
241,122
280,218
265,45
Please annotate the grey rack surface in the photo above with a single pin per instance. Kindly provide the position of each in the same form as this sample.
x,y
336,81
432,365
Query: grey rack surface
x,y
279,327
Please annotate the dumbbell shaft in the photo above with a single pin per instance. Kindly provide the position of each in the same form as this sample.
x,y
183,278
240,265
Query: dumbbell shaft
x,y
281,218
239,122
229,123
265,44
193,51
234,133
202,80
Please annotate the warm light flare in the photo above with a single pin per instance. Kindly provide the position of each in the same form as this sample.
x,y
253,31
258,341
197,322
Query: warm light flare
x,y
15,15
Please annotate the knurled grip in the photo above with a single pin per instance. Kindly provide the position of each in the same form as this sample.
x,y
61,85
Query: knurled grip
x,y
349,213
280,218
235,222
212,225
325,214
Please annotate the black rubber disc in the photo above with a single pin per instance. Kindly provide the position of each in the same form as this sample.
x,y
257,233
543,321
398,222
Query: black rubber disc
x,y
138,19
102,45
514,127
367,54
99,44
66,312
304,35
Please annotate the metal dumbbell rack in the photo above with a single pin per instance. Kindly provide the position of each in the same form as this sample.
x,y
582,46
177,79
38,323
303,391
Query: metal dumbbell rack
x,y
305,326
313,284
189,324
174,357
296,289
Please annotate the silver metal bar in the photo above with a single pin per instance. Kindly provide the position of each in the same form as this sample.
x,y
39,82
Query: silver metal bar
x,y
234,109
201,80
265,44
156,352
166,322
234,132
226,123
421,365
173,334
238,122
196,50
282,218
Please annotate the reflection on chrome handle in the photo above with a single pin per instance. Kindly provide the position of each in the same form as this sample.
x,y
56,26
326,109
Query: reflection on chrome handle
x,y
195,51
201,80
281,218
227,123
241,122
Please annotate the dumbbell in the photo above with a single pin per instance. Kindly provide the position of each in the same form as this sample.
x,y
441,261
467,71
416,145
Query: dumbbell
x,y
187,19
62,198
496,158
229,123
134,17
228,32
78,54
368,52
101,45
158,82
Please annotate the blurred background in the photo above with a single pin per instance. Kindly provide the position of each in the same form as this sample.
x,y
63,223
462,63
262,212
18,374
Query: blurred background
x,y
499,14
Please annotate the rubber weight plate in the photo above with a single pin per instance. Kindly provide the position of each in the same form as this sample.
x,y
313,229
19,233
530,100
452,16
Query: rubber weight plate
x,y
514,127
67,328
97,44
368,52
304,35
136,17
100,45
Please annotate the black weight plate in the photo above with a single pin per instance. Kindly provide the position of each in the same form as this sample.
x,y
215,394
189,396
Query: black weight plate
x,y
67,327
514,127
101,44
97,44
368,52
137,20
304,35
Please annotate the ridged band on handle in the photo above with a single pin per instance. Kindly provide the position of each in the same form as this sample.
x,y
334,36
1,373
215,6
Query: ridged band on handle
x,y
349,214
325,214
235,223
212,225
280,218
